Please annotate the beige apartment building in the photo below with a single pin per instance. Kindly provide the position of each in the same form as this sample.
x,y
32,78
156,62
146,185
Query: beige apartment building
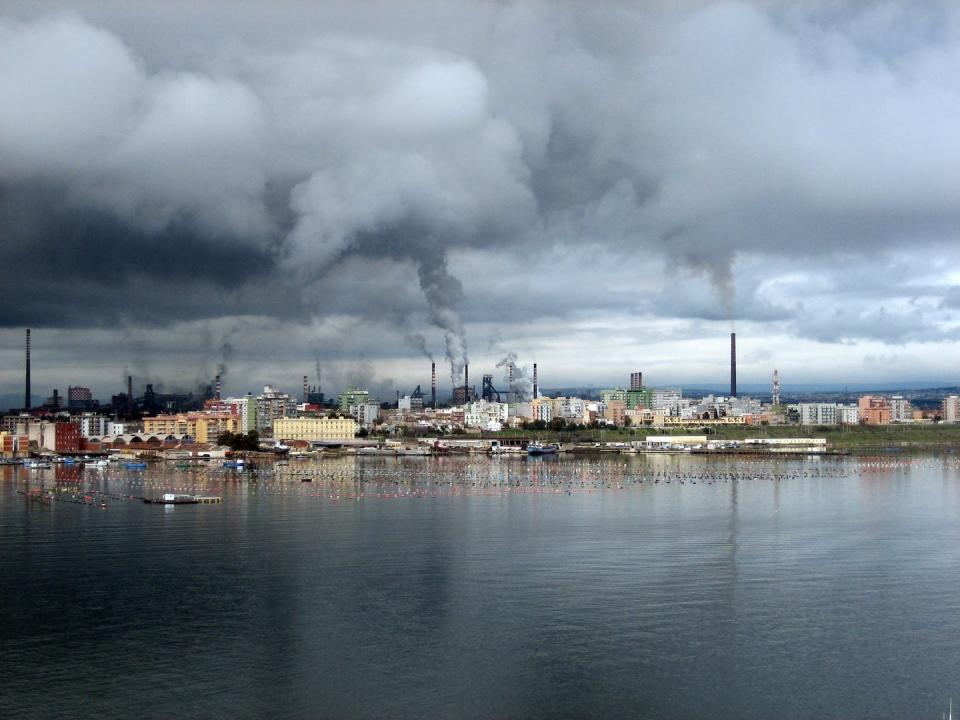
x,y
315,429
202,427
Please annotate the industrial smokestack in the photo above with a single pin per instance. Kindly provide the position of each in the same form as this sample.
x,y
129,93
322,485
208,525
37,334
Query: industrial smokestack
x,y
510,385
216,392
129,396
733,364
433,384
26,402
466,383
534,381
306,390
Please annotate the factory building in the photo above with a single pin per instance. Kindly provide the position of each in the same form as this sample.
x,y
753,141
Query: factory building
x,y
80,399
315,429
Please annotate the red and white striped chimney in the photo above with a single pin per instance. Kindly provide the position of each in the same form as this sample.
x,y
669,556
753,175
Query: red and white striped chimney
x,y
216,392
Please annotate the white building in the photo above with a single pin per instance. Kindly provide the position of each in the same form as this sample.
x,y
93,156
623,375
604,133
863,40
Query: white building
x,y
247,410
410,404
272,405
92,425
667,399
900,410
828,414
365,413
950,409
123,428
481,414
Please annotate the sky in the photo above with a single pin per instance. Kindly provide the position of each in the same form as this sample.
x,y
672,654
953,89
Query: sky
x,y
350,189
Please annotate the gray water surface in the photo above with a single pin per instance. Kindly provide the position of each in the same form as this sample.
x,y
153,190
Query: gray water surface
x,y
486,588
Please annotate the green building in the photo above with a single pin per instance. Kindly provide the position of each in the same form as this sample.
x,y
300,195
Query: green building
x,y
614,395
353,396
640,398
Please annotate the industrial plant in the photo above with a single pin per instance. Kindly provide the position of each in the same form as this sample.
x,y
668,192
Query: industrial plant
x,y
510,400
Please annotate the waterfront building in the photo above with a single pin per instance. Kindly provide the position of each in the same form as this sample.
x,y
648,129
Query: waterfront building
x,y
484,414
92,425
828,414
122,428
62,437
271,405
246,409
203,427
900,410
950,409
874,410
616,412
315,429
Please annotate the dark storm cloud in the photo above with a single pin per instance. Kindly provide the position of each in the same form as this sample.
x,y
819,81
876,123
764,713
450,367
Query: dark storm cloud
x,y
239,159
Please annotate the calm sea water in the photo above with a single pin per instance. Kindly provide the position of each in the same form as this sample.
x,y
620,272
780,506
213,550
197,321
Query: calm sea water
x,y
477,588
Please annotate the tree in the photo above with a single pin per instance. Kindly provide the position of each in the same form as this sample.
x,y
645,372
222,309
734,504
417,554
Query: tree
x,y
238,441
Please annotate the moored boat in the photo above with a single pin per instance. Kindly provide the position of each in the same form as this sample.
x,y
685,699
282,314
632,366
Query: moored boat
x,y
175,499
538,448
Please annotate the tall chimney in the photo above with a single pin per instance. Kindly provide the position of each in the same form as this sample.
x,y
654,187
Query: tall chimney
x,y
129,396
216,392
306,390
534,381
733,364
510,385
26,402
466,383
433,384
